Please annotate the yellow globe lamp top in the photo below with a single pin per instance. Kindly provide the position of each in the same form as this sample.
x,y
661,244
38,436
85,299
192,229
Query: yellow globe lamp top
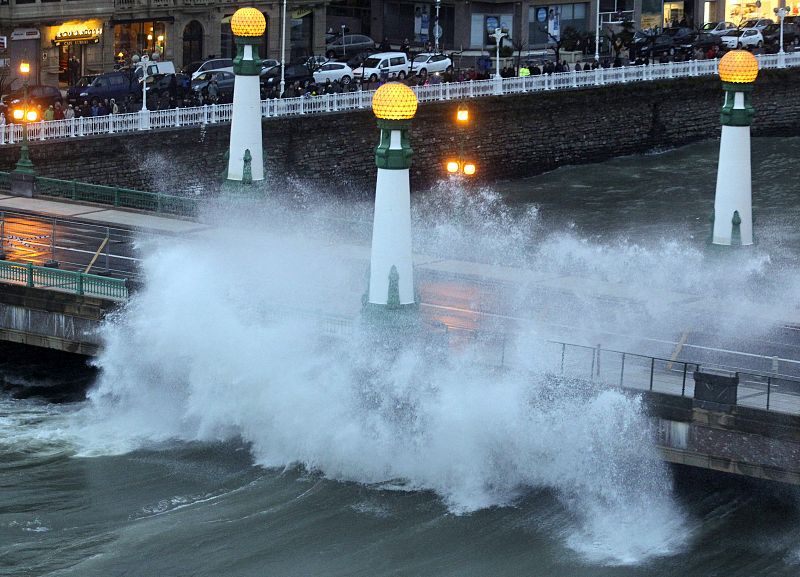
x,y
248,22
394,101
738,67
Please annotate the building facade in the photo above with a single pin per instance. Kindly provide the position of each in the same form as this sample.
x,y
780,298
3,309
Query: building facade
x,y
65,38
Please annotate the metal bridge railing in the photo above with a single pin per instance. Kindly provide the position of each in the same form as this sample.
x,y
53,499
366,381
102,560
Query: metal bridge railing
x,y
325,103
769,391
65,280
114,196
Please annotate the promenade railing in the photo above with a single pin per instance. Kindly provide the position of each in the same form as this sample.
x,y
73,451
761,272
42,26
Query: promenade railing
x,y
348,101
65,280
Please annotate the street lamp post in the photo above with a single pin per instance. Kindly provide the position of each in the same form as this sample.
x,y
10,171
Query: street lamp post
x,y
344,47
24,164
283,49
498,35
781,12
436,25
144,123
597,36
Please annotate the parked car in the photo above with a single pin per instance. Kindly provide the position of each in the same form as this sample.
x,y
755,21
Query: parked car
x,y
109,85
348,44
718,28
657,46
161,83
683,37
756,23
268,63
195,69
383,64
333,71
225,81
293,73
429,62
743,38
772,36
38,95
358,59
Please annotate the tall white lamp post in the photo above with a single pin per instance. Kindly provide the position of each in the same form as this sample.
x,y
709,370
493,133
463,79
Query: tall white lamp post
x,y
391,281
283,49
246,152
144,119
733,211
597,36
498,35
436,28
781,12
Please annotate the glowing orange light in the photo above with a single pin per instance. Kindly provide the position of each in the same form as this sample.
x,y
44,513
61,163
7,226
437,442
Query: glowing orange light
x,y
462,115
738,67
31,116
19,114
394,101
248,22
452,167
469,169
24,67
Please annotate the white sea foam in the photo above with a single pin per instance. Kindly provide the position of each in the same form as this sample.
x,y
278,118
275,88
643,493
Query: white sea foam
x,y
201,354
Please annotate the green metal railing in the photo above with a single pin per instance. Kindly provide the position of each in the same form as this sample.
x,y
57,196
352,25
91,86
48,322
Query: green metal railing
x,y
116,196
70,281
111,195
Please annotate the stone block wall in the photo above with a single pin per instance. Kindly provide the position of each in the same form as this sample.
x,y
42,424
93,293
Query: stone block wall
x,y
508,137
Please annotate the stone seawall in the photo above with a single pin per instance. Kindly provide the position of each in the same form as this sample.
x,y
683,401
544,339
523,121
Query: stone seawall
x,y
508,137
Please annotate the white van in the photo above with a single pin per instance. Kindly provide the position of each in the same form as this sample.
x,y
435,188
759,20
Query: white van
x,y
384,64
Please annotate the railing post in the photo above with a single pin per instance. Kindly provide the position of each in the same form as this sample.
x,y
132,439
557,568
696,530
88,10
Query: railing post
x,y
574,78
769,386
598,359
177,116
205,114
683,385
159,203
74,190
597,76
72,127
652,370
360,98
622,370
670,69
116,196
3,134
80,283
563,351
213,113
594,358
30,275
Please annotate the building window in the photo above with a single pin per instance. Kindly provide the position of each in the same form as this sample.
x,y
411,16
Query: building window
x,y
547,22
192,42
140,38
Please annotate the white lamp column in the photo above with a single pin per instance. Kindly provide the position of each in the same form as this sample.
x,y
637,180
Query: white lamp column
x,y
733,212
391,283
246,155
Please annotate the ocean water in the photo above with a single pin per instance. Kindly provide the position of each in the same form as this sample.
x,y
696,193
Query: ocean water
x,y
222,435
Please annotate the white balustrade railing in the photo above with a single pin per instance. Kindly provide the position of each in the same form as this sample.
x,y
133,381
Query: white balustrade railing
x,y
178,117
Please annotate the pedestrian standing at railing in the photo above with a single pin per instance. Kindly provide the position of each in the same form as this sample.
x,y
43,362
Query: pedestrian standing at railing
x,y
114,107
49,114
59,112
69,113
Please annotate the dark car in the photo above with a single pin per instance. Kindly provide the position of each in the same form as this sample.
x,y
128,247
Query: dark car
x,y
772,36
116,85
224,80
682,37
658,46
348,44
271,78
38,95
358,59
173,84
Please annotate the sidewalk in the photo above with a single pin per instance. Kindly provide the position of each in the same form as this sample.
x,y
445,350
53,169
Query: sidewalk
x,y
95,214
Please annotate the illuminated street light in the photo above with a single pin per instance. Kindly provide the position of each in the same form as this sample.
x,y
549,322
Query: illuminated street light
x,y
246,149
391,281
453,167
469,169
462,115
24,165
733,202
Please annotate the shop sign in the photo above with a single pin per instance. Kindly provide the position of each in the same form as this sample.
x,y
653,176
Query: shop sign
x,y
75,37
300,14
25,34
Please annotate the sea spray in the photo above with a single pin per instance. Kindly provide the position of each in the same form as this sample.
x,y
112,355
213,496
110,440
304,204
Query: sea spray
x,y
207,352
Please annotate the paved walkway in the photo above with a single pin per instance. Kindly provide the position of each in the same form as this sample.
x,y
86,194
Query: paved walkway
x,y
95,214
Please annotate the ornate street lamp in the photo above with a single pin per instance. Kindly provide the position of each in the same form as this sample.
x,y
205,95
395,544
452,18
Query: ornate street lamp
x,y
25,115
733,211
391,282
246,156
